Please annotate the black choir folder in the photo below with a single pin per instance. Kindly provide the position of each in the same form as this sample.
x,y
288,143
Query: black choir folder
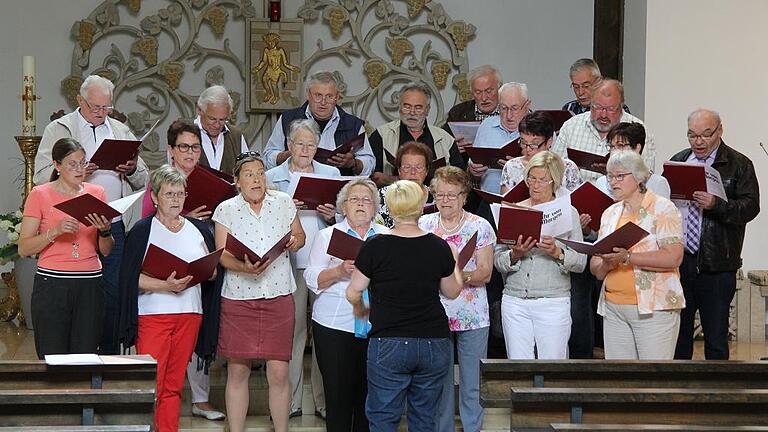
x,y
489,156
588,199
588,161
625,237
516,221
208,187
159,263
82,205
238,249
351,146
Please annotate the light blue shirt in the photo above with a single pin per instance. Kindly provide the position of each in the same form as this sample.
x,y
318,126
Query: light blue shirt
x,y
276,143
492,134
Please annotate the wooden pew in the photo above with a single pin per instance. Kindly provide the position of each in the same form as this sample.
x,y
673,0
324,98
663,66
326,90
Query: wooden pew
x,y
34,394
539,407
652,428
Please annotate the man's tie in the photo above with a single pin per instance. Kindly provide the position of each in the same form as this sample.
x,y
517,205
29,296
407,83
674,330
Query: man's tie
x,y
693,222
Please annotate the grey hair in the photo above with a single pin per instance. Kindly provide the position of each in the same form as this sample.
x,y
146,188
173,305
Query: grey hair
x,y
308,125
631,161
550,161
699,111
416,86
166,174
609,82
320,77
522,87
482,71
216,95
344,194
585,63
99,82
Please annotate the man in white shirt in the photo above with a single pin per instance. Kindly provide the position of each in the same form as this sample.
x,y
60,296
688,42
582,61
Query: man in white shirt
x,y
221,143
90,124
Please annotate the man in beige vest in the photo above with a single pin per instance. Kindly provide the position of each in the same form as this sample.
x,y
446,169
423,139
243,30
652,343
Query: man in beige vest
x,y
411,126
221,143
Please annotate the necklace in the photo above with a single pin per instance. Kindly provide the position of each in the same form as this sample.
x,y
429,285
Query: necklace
x,y
62,189
174,227
457,226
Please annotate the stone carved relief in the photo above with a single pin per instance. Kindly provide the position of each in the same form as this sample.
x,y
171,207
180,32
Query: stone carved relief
x,y
151,80
407,40
273,57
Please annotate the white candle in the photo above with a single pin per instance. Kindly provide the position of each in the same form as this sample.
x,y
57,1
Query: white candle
x,y
28,97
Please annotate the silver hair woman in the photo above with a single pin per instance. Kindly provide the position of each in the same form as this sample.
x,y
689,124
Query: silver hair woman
x,y
642,295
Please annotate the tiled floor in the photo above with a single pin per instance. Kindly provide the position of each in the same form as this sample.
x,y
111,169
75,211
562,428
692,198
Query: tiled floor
x,y
17,343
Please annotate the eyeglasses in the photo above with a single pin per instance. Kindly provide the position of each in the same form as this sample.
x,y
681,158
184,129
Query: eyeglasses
x,y
95,109
360,200
583,86
248,154
74,166
416,109
447,196
174,195
413,168
317,97
187,147
503,109
707,134
213,120
534,181
532,146
618,177
611,109
619,146
308,146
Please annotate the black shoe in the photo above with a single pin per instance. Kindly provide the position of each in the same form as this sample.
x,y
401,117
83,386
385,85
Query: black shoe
x,y
320,414
296,413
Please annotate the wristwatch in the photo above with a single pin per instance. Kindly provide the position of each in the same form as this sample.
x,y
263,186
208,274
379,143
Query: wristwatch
x,y
467,278
561,257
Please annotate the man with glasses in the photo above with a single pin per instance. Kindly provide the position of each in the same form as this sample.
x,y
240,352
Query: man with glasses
x,y
713,231
336,127
411,126
584,74
587,131
484,81
497,131
221,143
90,124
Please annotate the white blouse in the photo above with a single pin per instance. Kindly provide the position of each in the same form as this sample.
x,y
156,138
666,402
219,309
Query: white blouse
x,y
259,232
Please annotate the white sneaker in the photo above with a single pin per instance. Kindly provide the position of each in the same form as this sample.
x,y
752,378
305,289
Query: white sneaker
x,y
210,415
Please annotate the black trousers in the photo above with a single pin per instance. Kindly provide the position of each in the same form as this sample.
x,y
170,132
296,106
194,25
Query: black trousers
x,y
582,340
342,359
67,314
711,294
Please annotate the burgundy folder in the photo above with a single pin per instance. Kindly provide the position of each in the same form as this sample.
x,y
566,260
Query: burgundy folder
x,y
229,178
518,221
588,199
625,237
238,249
588,161
159,263
315,191
344,246
206,188
114,152
82,205
489,156
685,179
558,117
351,146
467,251
515,195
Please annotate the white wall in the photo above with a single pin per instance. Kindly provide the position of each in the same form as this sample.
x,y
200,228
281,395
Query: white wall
x,y
634,55
711,53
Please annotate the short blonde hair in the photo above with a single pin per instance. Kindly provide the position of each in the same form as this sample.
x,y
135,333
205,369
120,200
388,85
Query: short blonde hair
x,y
405,200
550,161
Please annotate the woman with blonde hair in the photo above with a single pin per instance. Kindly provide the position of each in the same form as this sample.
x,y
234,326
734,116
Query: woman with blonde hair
x,y
409,350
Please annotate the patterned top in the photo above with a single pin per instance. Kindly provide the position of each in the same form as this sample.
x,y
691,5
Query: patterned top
x,y
468,311
259,232
579,133
660,217
513,171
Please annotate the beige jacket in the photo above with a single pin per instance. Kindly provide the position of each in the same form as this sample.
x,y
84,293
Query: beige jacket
x,y
390,138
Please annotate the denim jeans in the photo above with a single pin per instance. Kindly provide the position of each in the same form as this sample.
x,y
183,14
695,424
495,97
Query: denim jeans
x,y
111,272
405,368
471,347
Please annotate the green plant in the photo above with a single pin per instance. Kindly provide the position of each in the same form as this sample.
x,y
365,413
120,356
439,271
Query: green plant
x,y
11,224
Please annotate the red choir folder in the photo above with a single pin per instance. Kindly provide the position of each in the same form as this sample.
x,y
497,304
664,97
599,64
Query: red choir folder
x,y
588,161
114,152
588,199
515,195
558,117
159,263
489,156
238,249
82,205
685,179
515,221
344,246
315,191
229,178
206,188
625,237
351,146
467,251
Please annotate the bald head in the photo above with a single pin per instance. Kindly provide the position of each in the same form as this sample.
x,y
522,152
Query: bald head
x,y
609,88
705,129
704,114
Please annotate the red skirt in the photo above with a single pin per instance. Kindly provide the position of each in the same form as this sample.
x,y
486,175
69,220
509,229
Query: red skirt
x,y
257,329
